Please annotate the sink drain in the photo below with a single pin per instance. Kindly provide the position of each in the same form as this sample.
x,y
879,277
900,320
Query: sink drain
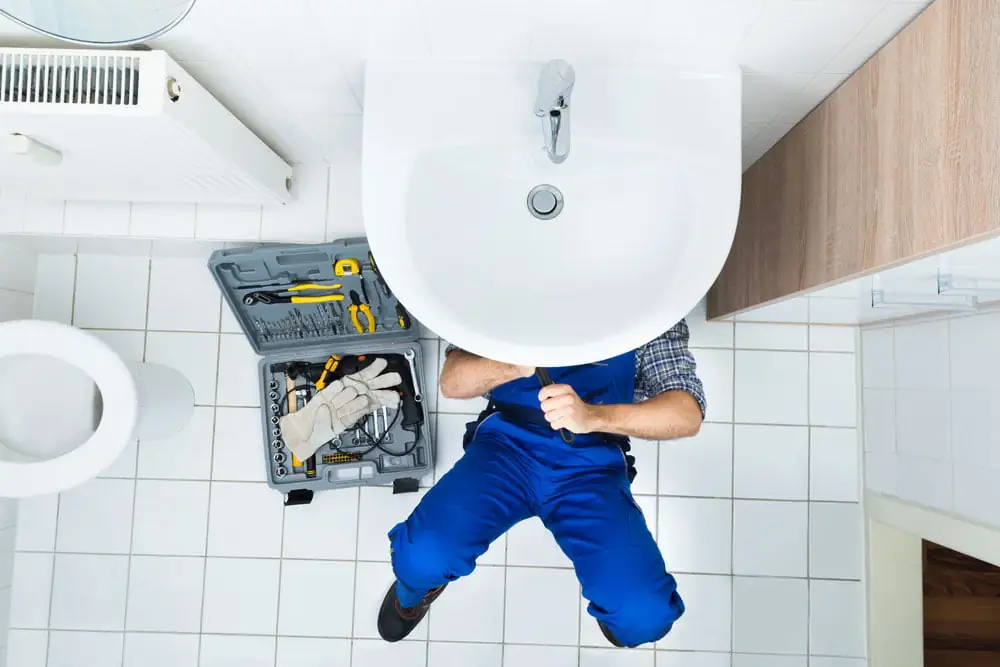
x,y
545,202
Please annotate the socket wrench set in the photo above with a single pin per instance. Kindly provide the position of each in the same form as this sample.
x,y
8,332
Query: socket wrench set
x,y
316,314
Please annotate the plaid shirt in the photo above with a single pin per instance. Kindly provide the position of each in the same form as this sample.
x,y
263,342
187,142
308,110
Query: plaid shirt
x,y
665,364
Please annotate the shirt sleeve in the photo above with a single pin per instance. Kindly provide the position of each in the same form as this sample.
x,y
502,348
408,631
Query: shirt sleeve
x,y
665,364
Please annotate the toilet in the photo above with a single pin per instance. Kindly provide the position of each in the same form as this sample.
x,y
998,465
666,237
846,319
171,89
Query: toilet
x,y
69,406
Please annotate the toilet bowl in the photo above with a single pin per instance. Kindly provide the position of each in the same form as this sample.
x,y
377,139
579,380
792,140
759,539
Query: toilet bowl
x,y
69,406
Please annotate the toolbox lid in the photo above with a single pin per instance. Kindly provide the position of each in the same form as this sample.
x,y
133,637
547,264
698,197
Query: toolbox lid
x,y
289,296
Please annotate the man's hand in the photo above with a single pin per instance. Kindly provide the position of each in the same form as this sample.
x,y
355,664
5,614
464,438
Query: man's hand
x,y
563,408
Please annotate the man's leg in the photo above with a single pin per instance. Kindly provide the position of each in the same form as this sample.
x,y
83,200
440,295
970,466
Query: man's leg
x,y
475,502
598,525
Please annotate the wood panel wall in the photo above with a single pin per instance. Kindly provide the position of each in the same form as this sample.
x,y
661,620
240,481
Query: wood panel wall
x,y
902,161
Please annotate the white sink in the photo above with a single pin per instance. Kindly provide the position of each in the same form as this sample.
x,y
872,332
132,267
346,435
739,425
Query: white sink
x,y
651,197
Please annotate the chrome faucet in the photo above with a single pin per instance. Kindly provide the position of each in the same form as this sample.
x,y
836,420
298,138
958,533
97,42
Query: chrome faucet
x,y
555,85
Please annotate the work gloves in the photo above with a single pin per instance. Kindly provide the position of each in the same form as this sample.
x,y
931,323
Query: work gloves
x,y
338,407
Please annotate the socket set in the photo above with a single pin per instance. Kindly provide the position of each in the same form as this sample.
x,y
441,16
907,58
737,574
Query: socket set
x,y
300,307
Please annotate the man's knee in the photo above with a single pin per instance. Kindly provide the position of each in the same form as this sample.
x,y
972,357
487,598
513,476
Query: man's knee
x,y
646,616
427,557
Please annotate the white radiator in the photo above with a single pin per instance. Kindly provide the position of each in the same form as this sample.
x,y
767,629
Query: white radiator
x,y
127,126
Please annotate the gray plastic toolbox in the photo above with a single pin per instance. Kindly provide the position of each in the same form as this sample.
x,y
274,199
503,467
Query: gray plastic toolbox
x,y
296,334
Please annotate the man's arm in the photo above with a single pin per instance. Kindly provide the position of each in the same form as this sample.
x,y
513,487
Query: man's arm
x,y
670,415
466,375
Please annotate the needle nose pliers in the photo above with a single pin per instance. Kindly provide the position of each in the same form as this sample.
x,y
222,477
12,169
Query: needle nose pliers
x,y
281,296
358,305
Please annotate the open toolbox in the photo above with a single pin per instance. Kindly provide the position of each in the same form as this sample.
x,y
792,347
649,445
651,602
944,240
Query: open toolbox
x,y
316,313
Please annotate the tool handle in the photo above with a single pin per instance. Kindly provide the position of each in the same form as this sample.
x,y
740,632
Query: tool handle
x,y
317,299
313,286
371,318
546,379
355,320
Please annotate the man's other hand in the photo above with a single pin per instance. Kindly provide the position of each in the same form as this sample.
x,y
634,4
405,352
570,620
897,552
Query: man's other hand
x,y
563,408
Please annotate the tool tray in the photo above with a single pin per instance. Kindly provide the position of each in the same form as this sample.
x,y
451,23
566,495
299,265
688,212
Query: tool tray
x,y
297,330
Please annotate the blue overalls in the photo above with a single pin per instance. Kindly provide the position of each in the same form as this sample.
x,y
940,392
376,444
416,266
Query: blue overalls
x,y
515,467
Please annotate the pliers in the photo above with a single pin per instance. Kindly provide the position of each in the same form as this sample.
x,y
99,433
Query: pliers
x,y
356,305
280,296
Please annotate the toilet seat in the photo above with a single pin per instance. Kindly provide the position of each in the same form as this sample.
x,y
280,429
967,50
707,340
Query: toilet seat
x,y
118,390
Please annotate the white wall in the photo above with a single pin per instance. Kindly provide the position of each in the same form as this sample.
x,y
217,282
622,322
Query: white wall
x,y
931,413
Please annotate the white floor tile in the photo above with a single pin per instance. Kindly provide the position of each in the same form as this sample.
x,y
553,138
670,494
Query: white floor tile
x,y
616,657
27,648
182,296
373,580
307,652
229,321
380,511
98,277
755,336
878,370
241,596
472,609
832,339
770,538
123,467
770,615
444,654
193,354
881,471
975,428
925,481
430,350
156,220
542,606
85,649
550,656
36,523
879,420
815,661
88,592
377,653
186,455
236,453
316,598
244,520
228,221
530,543
164,594
144,649
96,517
977,494
771,462
303,220
171,518
833,464
467,406
921,356
707,620
450,431
692,659
337,511
54,282
695,534
771,387
31,591
835,550
129,345
233,651
239,376
715,369
698,466
97,218
836,618
750,660
922,423
832,389
647,462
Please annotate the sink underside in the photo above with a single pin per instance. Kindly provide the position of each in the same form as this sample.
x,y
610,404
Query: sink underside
x,y
651,197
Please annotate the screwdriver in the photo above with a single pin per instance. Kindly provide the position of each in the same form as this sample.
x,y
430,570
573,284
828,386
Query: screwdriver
x,y
546,379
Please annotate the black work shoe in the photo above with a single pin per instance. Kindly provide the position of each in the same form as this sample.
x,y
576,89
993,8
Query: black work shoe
x,y
610,636
395,622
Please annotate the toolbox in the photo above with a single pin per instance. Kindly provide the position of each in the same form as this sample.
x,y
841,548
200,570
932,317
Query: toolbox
x,y
316,313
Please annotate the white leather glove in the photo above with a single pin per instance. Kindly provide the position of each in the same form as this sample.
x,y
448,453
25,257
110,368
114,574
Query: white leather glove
x,y
338,407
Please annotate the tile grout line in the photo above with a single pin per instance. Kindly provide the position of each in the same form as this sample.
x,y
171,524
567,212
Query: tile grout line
x,y
809,419
732,511
354,592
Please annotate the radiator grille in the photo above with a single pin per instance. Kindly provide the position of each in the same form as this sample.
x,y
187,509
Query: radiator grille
x,y
53,78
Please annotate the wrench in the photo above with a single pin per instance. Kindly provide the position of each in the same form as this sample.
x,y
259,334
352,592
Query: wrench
x,y
411,356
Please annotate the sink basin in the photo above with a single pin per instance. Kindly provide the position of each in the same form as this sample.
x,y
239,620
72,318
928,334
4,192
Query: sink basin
x,y
650,198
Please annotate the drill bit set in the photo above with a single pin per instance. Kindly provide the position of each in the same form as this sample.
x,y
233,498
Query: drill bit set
x,y
318,314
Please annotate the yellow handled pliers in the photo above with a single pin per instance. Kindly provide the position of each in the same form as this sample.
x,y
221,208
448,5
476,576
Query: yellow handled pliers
x,y
280,296
356,305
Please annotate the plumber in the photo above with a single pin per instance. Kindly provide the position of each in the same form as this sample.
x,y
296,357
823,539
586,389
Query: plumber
x,y
556,452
